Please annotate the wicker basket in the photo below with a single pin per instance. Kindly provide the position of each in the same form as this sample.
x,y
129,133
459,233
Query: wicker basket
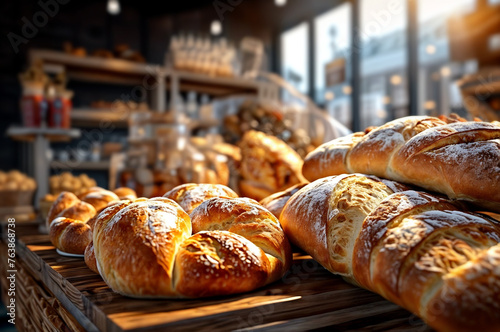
x,y
13,198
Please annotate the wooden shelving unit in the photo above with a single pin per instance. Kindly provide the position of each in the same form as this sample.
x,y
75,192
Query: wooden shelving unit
x,y
102,165
212,85
92,117
95,69
41,139
154,78
27,134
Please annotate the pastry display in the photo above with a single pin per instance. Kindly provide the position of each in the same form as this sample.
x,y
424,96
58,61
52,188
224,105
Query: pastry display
x,y
424,253
459,159
120,105
68,217
121,51
14,180
151,248
68,182
268,165
256,116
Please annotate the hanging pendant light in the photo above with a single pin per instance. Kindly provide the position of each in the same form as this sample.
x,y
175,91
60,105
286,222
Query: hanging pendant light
x,y
114,7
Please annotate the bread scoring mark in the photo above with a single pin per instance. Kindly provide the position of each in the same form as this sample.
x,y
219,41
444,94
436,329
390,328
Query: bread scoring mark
x,y
450,134
210,249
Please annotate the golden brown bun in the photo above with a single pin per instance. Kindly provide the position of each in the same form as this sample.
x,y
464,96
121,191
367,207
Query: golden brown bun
x,y
268,165
64,201
125,193
190,195
276,202
254,189
68,209
252,221
145,248
100,199
457,159
70,235
422,252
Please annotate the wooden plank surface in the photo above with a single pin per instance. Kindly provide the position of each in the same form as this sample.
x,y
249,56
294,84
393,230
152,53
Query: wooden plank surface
x,y
308,297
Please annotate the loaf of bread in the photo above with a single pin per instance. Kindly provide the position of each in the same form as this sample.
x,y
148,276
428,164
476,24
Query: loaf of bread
x,y
424,253
460,160
190,195
276,202
67,220
151,248
125,193
268,165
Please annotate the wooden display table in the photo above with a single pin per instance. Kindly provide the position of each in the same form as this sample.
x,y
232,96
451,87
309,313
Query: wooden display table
x,y
308,297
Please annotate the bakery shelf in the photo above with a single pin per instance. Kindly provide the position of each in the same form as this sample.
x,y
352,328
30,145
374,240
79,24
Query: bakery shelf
x,y
40,139
94,117
28,134
102,165
96,69
213,85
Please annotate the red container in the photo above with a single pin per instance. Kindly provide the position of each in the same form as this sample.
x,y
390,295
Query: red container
x,y
34,110
59,111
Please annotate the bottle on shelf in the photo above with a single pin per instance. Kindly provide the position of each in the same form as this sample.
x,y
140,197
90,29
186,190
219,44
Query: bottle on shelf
x,y
192,105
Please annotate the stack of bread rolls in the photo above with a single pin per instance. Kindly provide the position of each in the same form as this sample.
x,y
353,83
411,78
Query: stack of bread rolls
x,y
70,217
16,181
152,248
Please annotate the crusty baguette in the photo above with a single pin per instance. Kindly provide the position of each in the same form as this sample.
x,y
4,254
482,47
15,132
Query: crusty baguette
x,y
460,160
276,202
151,248
418,250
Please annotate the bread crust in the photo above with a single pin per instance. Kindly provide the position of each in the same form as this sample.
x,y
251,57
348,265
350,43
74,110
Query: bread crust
x,y
276,202
125,193
145,248
190,195
268,165
68,209
70,235
460,160
420,251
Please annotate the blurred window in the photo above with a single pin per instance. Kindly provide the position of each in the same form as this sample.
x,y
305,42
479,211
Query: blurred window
x,y
438,73
332,43
383,61
295,56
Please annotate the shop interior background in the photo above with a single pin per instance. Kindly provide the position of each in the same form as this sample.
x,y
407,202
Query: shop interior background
x,y
397,38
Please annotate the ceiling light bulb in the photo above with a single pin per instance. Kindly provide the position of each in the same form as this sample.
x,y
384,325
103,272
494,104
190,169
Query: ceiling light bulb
x,y
114,7
430,49
280,3
396,79
216,28
329,95
445,71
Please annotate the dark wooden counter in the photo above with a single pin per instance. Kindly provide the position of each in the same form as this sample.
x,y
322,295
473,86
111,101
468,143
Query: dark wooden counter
x,y
309,297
